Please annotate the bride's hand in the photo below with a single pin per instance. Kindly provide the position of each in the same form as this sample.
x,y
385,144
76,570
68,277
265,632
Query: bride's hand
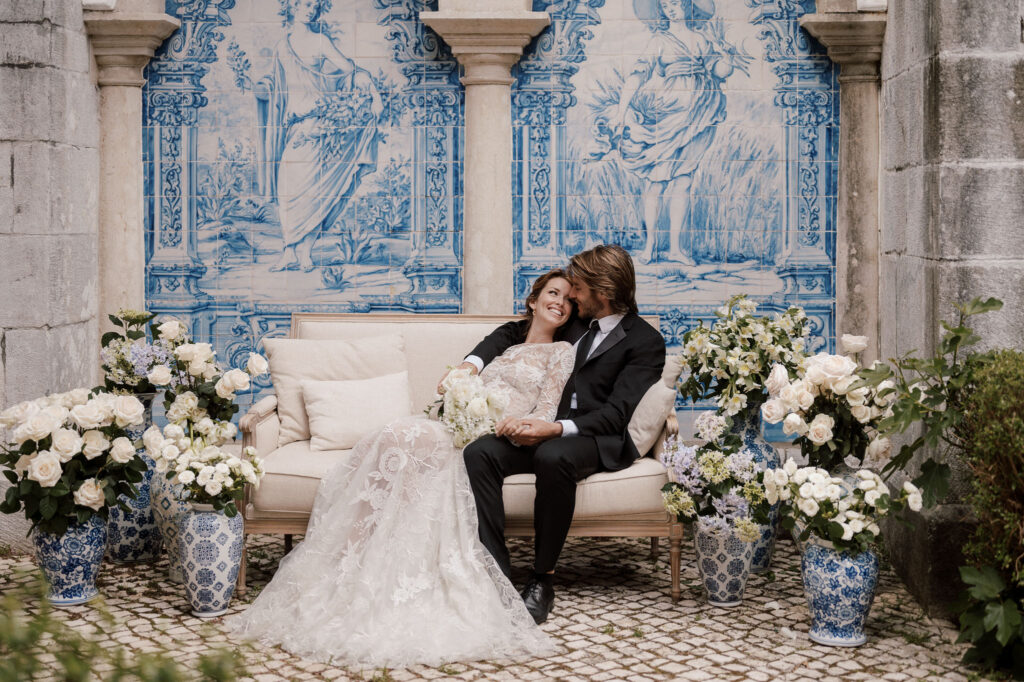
x,y
465,365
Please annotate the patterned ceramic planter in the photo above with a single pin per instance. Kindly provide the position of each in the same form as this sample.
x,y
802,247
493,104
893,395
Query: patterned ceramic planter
x,y
167,507
71,561
748,427
133,535
724,564
839,588
210,545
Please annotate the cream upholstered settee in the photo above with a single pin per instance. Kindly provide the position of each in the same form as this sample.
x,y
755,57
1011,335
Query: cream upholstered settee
x,y
608,504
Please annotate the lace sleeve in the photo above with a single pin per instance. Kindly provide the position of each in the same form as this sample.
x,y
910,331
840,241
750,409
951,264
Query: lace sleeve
x,y
560,363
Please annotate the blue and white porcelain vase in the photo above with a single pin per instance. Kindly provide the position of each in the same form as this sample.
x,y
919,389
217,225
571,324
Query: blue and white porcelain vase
x,y
168,503
747,426
724,564
71,561
210,545
839,587
133,535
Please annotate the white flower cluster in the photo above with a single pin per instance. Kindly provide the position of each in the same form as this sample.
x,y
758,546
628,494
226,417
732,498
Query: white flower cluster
x,y
829,377
469,409
731,359
709,426
63,426
198,463
816,499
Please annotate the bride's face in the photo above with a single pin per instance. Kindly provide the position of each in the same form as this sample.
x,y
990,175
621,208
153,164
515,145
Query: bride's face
x,y
552,305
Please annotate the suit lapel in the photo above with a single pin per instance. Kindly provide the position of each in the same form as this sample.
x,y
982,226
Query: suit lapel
x,y
617,334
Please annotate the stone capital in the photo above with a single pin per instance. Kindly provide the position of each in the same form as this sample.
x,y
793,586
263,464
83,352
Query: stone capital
x,y
123,43
852,38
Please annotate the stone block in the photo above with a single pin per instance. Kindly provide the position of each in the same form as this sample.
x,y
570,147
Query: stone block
x,y
70,49
982,208
23,10
31,182
78,122
990,26
908,38
903,130
76,349
958,282
894,194
27,44
24,279
75,203
927,555
73,279
981,105
888,303
30,366
914,319
28,108
64,13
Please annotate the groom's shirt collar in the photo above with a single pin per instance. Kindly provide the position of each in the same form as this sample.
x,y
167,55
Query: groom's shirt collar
x,y
608,323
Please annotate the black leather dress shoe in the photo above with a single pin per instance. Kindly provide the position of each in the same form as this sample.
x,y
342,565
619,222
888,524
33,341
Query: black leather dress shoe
x,y
539,597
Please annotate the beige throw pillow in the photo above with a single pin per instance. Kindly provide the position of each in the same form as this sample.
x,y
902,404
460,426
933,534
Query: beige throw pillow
x,y
649,417
294,360
342,412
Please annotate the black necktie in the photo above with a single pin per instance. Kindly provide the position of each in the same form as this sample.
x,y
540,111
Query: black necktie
x,y
586,342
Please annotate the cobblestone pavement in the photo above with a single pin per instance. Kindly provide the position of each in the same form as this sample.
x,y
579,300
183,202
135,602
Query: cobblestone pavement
x,y
613,616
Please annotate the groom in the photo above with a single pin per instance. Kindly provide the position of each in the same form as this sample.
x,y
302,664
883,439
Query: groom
x,y
618,357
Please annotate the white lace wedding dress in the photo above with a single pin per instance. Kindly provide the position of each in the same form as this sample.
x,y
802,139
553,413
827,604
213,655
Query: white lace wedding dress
x,y
391,571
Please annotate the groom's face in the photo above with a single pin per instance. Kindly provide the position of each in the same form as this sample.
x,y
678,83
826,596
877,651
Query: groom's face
x,y
588,302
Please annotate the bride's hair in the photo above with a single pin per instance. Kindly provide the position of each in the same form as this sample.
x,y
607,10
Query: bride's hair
x,y
538,287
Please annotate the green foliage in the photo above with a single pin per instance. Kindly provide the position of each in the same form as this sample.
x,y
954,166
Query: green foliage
x,y
26,636
931,392
994,425
118,370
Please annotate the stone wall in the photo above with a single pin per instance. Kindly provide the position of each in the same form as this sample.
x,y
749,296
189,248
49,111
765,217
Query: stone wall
x,y
952,203
49,167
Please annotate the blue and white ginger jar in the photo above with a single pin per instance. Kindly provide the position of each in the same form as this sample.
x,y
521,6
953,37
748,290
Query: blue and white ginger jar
x,y
747,426
210,545
724,564
839,587
168,504
71,561
133,535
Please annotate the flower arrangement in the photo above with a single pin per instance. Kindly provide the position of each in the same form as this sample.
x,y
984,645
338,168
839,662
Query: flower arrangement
x,y
68,458
467,409
128,358
718,484
842,512
731,361
195,460
829,409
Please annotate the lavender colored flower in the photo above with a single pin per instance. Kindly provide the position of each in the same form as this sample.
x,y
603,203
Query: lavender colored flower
x,y
741,465
732,505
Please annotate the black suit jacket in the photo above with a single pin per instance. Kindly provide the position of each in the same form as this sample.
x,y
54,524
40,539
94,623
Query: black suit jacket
x,y
608,386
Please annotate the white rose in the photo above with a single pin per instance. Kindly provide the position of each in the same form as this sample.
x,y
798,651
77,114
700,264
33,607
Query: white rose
x,y
91,415
226,431
248,472
186,477
835,367
238,379
790,467
808,506
461,391
774,410
122,450
188,401
197,368
807,490
866,484
94,444
794,424
159,375
174,432
15,414
90,494
878,450
129,410
857,396
889,388
790,395
169,452
853,344
45,469
777,379
213,488
37,427
256,365
815,375
874,529
477,408
819,431
871,496
843,385
847,531
152,439
224,389
66,443
205,475
910,489
857,525
861,413
915,502
171,330
185,352
78,396
23,463
804,399
205,425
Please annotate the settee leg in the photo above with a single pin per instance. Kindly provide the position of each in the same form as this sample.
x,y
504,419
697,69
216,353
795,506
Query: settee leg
x,y
655,550
240,582
674,542
287,543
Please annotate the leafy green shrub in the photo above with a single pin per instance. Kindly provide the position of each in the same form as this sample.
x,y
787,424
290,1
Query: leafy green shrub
x,y
27,636
994,416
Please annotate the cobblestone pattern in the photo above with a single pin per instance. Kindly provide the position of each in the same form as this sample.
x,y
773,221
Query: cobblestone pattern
x,y
613,616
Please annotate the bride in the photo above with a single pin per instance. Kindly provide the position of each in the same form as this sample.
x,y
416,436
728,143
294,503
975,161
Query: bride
x,y
392,571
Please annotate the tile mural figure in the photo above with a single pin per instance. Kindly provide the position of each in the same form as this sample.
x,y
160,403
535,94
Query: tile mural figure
x,y
667,111
318,114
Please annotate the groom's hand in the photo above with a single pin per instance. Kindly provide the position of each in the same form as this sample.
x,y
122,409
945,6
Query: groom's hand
x,y
528,431
465,365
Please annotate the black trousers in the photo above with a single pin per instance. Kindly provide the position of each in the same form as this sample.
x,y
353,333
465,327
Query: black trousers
x,y
558,464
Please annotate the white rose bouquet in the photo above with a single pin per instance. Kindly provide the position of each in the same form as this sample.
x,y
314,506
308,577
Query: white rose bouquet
x,y
732,361
831,412
842,512
719,484
467,409
68,457
131,363
207,473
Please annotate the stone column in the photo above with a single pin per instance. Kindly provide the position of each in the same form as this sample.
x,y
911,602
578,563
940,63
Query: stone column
x,y
487,42
854,41
122,43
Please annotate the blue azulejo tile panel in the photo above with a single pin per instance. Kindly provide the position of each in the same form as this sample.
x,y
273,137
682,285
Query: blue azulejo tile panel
x,y
701,135
300,156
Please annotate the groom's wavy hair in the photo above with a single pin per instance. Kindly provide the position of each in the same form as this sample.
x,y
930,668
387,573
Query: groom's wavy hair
x,y
538,287
608,270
